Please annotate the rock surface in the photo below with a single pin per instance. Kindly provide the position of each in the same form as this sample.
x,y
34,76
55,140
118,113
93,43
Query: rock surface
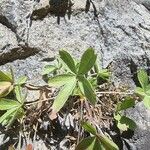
x,y
119,30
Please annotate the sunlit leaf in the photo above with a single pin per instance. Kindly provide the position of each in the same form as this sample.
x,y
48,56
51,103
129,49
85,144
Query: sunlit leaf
x,y
63,95
7,114
147,92
6,104
97,66
18,94
87,61
48,69
60,80
146,101
143,78
104,74
5,76
147,87
140,91
5,88
93,82
88,89
66,57
21,80
88,127
16,115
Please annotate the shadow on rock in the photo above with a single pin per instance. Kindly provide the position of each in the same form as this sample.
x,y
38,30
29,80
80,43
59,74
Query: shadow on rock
x,y
60,8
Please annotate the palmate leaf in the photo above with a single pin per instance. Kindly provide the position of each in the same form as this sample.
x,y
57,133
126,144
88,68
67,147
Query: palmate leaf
x,y
90,143
6,104
127,103
5,76
88,127
63,95
66,57
143,78
5,88
87,88
61,80
87,61
14,111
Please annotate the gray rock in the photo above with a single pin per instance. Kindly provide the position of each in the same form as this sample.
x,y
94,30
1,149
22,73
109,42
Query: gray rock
x,y
8,40
141,136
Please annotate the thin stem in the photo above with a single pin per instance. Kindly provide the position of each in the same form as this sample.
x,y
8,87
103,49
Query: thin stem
x,y
38,101
113,92
33,87
81,117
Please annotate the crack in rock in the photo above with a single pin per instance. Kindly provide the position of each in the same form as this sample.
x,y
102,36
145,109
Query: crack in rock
x,y
18,53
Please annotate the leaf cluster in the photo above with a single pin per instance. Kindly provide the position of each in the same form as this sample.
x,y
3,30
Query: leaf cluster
x,y
76,80
96,141
11,109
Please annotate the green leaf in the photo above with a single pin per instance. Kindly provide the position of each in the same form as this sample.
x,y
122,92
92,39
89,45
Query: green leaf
x,y
18,94
88,89
86,144
5,76
147,92
90,143
21,80
148,87
60,80
143,78
6,104
87,61
104,74
98,145
127,103
140,91
66,57
88,127
48,69
63,95
7,114
93,82
16,115
5,88
124,123
97,66
146,101
107,143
